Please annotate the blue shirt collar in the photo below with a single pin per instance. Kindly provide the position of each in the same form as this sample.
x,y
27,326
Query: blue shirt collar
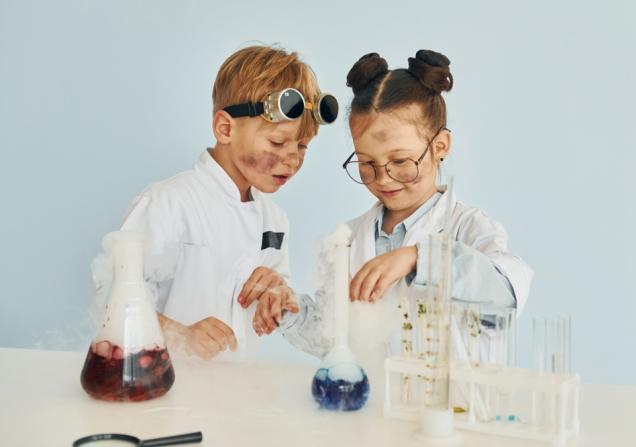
x,y
412,219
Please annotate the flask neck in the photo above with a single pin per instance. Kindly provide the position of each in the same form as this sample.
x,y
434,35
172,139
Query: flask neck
x,y
128,263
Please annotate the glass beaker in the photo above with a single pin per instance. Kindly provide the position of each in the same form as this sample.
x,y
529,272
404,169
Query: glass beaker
x,y
128,359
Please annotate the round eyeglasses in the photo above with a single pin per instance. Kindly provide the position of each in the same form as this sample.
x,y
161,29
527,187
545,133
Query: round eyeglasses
x,y
403,170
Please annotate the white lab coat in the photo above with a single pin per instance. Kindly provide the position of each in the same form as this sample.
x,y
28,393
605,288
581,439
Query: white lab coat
x,y
468,225
375,328
204,244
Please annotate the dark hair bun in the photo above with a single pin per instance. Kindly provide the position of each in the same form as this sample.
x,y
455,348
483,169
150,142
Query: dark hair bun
x,y
368,68
431,68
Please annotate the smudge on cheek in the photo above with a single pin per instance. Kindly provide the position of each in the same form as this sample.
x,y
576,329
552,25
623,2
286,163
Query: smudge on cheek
x,y
263,164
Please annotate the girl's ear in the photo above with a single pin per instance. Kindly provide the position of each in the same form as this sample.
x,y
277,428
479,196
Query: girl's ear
x,y
442,145
223,126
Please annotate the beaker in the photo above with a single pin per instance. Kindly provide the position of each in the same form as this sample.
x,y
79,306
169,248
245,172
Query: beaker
x,y
128,359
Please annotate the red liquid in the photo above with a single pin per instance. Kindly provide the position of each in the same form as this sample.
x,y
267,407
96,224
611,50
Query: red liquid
x,y
140,376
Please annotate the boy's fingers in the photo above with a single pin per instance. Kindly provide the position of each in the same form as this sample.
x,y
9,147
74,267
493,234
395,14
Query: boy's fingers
x,y
202,348
256,293
219,338
266,314
261,280
208,335
247,290
228,339
222,332
222,326
277,308
275,280
259,322
292,307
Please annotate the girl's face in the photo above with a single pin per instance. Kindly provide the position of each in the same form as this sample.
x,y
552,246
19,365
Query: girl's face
x,y
391,138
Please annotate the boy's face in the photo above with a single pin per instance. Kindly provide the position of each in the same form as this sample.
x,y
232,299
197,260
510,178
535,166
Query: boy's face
x,y
267,154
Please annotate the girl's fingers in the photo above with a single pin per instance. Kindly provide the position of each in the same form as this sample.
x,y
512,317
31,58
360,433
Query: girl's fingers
x,y
380,287
368,285
260,316
356,282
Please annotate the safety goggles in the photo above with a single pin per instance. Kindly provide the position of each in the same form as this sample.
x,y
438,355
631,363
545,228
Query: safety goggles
x,y
288,105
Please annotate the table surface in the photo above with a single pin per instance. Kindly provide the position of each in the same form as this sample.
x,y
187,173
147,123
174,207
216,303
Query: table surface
x,y
236,404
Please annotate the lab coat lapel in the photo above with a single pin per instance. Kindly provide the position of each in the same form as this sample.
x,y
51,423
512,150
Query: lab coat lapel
x,y
363,243
432,222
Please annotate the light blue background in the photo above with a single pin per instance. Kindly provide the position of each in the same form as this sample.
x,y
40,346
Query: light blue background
x,y
99,98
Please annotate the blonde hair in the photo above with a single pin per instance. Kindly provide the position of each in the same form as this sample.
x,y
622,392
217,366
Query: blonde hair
x,y
251,73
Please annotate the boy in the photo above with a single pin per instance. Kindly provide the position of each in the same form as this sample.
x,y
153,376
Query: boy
x,y
214,238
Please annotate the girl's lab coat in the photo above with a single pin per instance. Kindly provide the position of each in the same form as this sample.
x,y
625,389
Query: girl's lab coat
x,y
468,225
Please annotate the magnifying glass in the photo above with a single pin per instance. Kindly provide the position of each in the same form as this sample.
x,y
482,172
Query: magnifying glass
x,y
119,440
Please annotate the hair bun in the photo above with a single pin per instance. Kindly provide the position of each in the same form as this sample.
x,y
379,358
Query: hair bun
x,y
368,68
431,68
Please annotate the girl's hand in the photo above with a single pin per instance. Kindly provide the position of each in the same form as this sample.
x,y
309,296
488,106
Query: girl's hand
x,y
260,281
271,305
370,283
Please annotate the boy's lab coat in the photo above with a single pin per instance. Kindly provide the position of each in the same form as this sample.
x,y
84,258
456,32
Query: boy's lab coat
x,y
204,244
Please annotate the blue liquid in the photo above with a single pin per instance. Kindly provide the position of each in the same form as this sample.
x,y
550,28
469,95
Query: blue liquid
x,y
339,394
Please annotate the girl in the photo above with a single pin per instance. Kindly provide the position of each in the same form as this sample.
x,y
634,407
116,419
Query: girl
x,y
398,125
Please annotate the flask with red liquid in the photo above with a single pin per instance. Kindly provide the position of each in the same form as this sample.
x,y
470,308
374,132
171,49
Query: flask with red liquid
x,y
128,359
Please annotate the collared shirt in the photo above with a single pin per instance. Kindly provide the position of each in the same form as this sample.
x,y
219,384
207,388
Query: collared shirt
x,y
385,243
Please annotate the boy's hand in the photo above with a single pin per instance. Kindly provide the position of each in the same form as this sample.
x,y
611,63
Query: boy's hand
x,y
260,281
209,337
270,308
205,338
370,283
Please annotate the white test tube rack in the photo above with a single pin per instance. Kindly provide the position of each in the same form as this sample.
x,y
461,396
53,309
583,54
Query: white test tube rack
x,y
558,392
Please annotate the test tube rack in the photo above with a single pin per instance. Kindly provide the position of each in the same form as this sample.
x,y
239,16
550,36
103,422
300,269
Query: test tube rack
x,y
540,406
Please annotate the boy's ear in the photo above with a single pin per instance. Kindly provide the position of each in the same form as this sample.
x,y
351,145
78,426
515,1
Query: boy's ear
x,y
223,126
442,144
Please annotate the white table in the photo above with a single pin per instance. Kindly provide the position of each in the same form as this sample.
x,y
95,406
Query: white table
x,y
236,404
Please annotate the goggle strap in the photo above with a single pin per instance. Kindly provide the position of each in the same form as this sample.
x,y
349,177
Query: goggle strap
x,y
247,109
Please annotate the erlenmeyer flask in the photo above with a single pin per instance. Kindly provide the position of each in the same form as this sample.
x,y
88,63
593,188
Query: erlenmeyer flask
x,y
340,383
128,359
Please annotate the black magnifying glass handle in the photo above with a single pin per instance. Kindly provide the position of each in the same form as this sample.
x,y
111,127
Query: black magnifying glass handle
x,y
187,438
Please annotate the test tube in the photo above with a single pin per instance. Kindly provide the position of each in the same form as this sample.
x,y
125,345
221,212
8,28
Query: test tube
x,y
552,348
436,418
